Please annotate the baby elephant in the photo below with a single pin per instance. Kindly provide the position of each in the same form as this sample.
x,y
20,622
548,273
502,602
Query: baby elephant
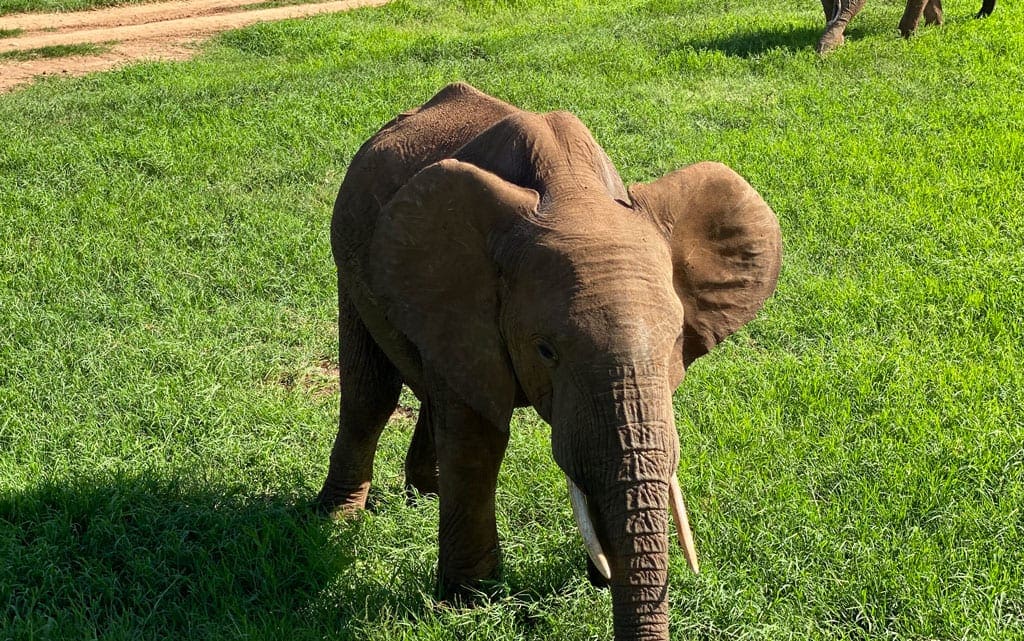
x,y
492,258
838,14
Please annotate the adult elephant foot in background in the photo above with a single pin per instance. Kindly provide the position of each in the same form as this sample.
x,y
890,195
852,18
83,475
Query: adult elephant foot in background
x,y
831,8
930,9
831,39
843,12
987,7
933,12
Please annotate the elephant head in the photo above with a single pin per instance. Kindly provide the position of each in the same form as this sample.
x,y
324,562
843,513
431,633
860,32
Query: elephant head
x,y
523,272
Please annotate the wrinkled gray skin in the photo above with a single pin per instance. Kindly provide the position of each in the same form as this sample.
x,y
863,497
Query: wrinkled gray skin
x,y
491,258
839,13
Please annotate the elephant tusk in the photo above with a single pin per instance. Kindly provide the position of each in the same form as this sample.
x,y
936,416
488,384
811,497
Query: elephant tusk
x,y
581,512
678,507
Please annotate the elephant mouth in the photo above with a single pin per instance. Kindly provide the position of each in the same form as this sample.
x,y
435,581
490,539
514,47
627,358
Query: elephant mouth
x,y
584,521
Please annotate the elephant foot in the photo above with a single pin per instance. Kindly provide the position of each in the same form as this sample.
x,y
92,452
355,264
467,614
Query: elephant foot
x,y
831,8
933,12
479,584
339,502
830,41
462,595
908,25
414,496
419,485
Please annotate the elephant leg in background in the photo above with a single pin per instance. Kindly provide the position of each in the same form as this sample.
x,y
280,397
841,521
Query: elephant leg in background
x,y
830,7
911,16
987,7
370,385
421,459
933,12
833,36
469,454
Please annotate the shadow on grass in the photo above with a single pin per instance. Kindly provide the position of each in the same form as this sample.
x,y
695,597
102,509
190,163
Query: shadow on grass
x,y
142,557
157,558
749,43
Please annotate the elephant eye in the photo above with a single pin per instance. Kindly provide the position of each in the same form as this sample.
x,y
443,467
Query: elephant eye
x,y
547,353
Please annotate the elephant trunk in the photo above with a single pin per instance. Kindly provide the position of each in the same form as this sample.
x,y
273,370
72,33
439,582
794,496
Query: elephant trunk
x,y
635,517
620,456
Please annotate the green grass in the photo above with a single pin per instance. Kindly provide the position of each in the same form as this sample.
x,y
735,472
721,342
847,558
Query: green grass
x,y
11,33
56,51
853,461
34,6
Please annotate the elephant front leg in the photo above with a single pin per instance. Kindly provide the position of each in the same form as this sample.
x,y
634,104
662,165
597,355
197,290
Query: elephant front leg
x,y
469,453
834,32
421,476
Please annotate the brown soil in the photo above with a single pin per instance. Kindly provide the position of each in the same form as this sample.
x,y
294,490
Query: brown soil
x,y
321,380
159,31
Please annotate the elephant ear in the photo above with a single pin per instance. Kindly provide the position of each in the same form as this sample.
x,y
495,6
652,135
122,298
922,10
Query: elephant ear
x,y
726,249
437,281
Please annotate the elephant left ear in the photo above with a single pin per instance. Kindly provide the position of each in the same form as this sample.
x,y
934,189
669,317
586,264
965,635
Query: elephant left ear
x,y
726,249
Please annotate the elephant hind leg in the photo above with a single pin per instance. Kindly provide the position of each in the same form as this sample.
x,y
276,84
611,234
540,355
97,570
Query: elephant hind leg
x,y
421,476
369,385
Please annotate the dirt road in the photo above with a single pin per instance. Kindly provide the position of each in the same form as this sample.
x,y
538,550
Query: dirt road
x,y
158,31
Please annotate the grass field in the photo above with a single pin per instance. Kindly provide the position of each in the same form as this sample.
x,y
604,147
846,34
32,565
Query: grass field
x,y
31,6
21,6
24,6
853,460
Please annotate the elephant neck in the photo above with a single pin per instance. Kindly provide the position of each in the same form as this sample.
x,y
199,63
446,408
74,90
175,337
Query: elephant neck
x,y
552,153
558,185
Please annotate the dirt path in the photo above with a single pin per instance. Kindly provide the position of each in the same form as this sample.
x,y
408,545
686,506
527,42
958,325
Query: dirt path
x,y
159,31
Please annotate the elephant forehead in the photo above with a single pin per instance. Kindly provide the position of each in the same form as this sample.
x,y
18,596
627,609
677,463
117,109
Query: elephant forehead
x,y
617,263
613,302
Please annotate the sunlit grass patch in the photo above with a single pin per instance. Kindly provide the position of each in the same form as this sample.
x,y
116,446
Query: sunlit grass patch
x,y
39,6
